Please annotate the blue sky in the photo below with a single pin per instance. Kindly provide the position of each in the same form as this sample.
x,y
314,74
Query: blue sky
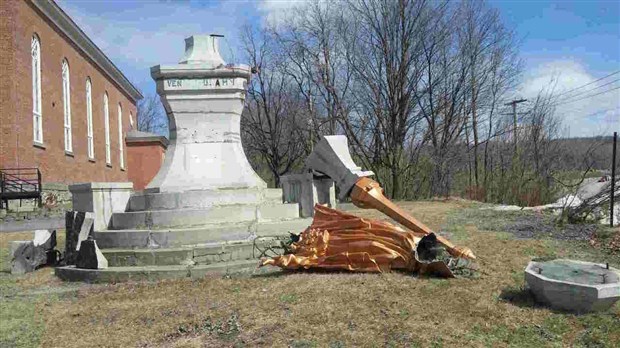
x,y
575,42
584,31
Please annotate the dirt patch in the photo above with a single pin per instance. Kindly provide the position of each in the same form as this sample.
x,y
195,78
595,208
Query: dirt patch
x,y
537,226
522,224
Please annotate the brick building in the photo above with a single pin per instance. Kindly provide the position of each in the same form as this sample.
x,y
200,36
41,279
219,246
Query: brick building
x,y
145,155
64,106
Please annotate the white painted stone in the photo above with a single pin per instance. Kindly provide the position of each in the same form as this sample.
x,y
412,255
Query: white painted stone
x,y
44,238
331,157
202,49
86,230
204,99
102,199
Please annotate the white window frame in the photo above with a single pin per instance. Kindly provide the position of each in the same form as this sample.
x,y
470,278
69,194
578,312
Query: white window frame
x,y
106,123
89,119
120,137
37,116
66,103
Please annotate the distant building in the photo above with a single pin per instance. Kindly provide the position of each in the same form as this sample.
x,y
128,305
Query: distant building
x,y
65,108
145,155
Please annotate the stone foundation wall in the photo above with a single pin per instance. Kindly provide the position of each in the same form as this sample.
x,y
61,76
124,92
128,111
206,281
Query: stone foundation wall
x,y
56,199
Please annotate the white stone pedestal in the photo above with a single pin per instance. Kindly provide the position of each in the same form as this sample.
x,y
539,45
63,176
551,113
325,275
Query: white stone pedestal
x,y
103,199
206,190
206,210
204,99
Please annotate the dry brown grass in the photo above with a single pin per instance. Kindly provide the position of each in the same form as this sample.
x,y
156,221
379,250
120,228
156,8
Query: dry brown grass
x,y
307,309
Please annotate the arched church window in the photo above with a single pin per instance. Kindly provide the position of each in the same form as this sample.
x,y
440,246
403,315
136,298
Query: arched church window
x,y
66,102
106,123
37,117
89,119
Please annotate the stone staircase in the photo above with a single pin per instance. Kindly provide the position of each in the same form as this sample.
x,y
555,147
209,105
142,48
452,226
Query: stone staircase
x,y
188,261
190,234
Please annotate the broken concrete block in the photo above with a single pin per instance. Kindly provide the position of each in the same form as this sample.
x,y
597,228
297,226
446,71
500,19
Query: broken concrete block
x,y
70,238
86,230
22,253
78,225
25,257
331,157
45,239
90,256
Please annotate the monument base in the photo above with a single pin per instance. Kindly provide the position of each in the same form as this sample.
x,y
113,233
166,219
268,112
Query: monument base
x,y
152,235
187,261
205,195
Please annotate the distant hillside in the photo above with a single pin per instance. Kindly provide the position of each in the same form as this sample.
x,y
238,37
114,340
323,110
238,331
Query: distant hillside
x,y
576,149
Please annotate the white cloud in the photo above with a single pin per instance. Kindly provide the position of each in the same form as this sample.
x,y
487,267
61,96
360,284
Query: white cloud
x,y
278,12
581,113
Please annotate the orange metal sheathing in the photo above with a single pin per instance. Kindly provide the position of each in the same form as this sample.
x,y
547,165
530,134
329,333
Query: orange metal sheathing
x,y
341,241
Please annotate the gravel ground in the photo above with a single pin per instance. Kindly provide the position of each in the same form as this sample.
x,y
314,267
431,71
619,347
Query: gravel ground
x,y
522,224
543,227
32,224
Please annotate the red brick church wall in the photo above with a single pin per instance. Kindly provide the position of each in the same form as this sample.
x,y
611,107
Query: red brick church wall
x,y
144,158
20,21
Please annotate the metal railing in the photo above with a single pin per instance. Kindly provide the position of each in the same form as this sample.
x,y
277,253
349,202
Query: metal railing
x,y
19,183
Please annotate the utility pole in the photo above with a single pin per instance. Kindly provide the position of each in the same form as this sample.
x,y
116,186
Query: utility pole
x,y
613,182
514,119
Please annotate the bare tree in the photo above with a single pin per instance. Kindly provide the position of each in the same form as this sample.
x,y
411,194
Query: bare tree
x,y
151,116
384,54
489,51
313,44
418,88
270,123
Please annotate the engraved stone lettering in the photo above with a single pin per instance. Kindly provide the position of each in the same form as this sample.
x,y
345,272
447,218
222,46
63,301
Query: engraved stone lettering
x,y
174,83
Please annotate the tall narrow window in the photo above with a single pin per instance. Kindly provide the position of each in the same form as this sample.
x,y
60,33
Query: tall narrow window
x,y
120,136
37,121
106,123
66,101
89,119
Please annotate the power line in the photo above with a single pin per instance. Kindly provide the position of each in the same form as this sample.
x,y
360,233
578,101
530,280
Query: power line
x,y
600,112
588,91
589,83
586,97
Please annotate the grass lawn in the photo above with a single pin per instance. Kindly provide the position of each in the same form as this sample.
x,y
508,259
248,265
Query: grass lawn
x,y
309,309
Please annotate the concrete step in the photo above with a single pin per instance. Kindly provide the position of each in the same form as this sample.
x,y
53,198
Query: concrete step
x,y
145,201
281,211
207,233
274,195
195,217
154,273
204,254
